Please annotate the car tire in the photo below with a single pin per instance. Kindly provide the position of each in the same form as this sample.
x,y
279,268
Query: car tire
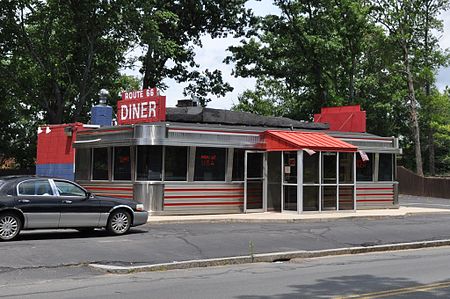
x,y
10,226
119,222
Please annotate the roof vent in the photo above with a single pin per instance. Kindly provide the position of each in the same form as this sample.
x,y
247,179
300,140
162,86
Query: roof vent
x,y
188,103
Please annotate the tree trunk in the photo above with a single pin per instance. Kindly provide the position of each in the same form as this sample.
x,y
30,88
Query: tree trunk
x,y
413,111
431,151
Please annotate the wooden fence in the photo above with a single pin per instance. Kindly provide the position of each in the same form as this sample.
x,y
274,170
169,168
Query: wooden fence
x,y
413,184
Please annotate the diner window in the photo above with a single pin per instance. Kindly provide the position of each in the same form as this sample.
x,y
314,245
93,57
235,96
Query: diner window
x,y
345,168
385,167
311,168
175,163
149,163
290,167
82,163
122,163
364,169
209,164
238,165
100,164
328,168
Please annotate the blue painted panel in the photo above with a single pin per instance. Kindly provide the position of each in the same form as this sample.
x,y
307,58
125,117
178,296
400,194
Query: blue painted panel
x,y
63,171
101,115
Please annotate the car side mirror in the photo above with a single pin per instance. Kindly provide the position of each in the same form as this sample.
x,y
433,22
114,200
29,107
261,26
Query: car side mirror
x,y
89,195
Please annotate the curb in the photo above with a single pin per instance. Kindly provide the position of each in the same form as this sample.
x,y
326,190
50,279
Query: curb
x,y
292,220
267,257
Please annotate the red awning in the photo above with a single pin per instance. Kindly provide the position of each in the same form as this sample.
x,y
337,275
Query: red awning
x,y
292,140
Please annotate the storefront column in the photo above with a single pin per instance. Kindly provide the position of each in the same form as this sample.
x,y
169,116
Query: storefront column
x,y
300,181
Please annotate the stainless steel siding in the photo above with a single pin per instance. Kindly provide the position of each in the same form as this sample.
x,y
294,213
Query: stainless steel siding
x,y
203,198
374,195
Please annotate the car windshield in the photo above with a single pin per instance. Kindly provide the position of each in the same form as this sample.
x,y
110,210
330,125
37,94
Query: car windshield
x,y
2,183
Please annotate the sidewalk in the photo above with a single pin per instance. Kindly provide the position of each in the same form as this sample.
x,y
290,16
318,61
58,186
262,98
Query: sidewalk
x,y
293,217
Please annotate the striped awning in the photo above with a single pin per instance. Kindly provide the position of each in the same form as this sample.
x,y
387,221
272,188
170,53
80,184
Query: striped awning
x,y
294,140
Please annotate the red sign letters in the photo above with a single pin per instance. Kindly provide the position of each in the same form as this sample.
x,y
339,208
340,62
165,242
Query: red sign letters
x,y
141,106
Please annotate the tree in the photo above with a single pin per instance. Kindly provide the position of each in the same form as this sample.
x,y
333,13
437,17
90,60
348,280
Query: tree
x,y
168,32
66,52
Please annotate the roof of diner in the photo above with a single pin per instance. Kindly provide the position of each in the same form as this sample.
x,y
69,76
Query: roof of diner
x,y
226,117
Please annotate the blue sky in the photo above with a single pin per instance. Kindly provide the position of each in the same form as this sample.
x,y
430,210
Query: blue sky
x,y
213,53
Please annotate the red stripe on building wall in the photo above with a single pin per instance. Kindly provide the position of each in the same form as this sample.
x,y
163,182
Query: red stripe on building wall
x,y
203,203
110,189
376,194
115,195
374,188
201,196
203,190
374,200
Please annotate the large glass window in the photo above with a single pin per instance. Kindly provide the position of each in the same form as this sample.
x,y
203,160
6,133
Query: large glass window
x,y
209,164
310,198
346,168
175,163
329,198
149,163
290,167
290,198
238,165
311,168
385,167
328,168
346,198
122,163
82,163
100,164
364,169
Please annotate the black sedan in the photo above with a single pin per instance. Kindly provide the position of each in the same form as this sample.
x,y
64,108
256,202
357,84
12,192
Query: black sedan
x,y
30,202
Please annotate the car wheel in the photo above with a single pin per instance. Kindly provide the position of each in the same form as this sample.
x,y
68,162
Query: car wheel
x,y
10,226
119,222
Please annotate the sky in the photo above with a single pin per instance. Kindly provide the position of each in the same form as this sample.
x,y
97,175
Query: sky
x,y
214,51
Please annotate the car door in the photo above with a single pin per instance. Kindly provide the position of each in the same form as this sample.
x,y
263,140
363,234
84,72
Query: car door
x,y
38,202
77,209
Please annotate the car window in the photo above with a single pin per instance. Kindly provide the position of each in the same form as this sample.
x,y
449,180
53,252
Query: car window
x,y
35,187
69,189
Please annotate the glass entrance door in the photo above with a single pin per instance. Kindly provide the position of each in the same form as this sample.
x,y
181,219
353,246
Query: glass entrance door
x,y
255,182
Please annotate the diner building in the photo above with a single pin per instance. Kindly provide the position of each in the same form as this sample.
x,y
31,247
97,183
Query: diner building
x,y
196,160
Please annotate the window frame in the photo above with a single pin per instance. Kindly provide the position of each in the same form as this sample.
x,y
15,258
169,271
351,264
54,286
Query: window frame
x,y
53,181
109,162
225,165
35,195
188,163
113,162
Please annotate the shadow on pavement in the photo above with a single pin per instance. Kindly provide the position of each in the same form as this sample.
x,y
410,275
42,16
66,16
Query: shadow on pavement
x,y
69,234
359,287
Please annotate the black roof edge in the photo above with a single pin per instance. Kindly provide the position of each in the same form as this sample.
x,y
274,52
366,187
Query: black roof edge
x,y
226,117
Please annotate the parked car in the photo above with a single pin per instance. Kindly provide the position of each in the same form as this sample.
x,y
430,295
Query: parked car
x,y
30,202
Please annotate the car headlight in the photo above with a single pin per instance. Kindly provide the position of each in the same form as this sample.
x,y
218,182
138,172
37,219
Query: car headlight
x,y
139,207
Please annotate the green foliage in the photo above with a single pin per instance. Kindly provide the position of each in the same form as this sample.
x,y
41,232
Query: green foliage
x,y
169,30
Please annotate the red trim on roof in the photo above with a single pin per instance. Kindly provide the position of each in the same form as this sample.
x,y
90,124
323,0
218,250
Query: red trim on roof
x,y
295,140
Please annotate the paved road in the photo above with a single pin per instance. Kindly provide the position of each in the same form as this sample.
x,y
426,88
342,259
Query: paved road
x,y
178,242
408,274
424,202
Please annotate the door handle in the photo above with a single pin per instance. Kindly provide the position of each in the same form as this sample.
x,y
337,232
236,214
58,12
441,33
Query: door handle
x,y
24,200
67,201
